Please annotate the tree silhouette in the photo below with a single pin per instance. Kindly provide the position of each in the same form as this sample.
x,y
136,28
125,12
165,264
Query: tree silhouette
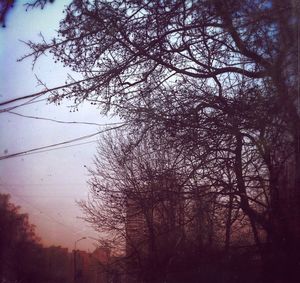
x,y
219,78
22,257
15,234
138,201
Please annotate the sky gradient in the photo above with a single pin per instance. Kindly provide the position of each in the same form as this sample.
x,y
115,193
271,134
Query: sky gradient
x,y
46,185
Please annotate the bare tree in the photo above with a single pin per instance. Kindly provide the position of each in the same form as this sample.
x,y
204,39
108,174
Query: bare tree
x,y
215,76
140,203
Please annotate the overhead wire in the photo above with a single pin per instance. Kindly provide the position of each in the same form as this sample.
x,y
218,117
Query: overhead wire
x,y
43,92
49,147
52,149
41,184
63,122
52,146
30,96
31,101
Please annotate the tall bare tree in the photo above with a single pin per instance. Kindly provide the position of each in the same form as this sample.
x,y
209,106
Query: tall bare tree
x,y
138,203
207,74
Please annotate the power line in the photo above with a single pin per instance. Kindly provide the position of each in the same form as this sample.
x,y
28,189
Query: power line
x,y
42,184
63,122
51,149
36,94
26,152
31,101
43,92
47,146
47,196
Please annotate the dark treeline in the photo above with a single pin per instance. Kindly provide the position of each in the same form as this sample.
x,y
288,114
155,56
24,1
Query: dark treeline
x,y
202,184
23,259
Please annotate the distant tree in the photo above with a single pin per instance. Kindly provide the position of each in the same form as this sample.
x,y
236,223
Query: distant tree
x,y
16,234
22,258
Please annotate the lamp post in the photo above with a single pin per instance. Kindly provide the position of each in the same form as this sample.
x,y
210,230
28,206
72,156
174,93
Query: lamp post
x,y
75,243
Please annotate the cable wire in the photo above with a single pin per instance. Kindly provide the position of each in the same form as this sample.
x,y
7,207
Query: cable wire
x,y
26,152
63,122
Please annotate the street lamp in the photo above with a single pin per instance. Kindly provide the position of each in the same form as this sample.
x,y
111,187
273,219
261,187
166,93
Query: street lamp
x,y
75,243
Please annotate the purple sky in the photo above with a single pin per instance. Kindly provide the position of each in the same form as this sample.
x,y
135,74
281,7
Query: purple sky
x,y
46,184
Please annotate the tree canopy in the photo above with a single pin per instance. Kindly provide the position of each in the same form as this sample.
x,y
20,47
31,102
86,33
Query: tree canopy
x,y
18,241
217,81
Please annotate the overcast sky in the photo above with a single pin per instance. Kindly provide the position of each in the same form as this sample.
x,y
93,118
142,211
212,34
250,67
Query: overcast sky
x,y
45,184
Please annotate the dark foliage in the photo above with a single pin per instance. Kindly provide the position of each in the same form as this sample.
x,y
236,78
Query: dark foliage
x,y
218,80
22,258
